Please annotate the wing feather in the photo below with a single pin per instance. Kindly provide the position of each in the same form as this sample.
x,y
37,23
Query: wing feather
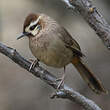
x,y
70,42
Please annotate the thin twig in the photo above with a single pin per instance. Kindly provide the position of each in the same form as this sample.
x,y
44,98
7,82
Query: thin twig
x,y
64,92
93,17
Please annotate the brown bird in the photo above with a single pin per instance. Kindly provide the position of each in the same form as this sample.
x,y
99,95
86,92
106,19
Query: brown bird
x,y
54,46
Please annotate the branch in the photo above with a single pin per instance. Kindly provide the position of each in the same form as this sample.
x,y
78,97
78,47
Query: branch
x,y
93,17
64,92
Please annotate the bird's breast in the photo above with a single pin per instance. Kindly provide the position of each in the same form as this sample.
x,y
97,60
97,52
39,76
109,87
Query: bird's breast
x,y
51,51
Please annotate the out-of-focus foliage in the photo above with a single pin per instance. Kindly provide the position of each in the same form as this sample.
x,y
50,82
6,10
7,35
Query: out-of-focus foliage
x,y
20,90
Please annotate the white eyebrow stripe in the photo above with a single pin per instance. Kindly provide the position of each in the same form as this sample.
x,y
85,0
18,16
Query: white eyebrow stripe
x,y
35,22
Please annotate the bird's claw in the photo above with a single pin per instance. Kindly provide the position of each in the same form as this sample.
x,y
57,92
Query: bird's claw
x,y
59,81
34,63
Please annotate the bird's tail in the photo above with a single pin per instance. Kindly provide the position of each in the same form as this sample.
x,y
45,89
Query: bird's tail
x,y
88,76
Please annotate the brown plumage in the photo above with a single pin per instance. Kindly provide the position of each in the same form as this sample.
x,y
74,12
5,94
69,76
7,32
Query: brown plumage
x,y
54,46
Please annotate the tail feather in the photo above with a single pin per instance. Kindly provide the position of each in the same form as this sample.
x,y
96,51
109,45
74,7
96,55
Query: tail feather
x,y
88,76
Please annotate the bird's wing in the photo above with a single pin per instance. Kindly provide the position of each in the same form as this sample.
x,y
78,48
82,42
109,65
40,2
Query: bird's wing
x,y
70,42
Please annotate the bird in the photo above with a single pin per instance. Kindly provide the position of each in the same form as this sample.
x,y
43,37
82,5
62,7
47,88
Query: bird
x,y
52,45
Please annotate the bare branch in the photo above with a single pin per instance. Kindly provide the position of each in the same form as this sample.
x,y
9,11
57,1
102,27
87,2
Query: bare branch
x,y
93,17
64,92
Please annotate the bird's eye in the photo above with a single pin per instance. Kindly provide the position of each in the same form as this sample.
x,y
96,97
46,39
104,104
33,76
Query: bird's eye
x,y
32,27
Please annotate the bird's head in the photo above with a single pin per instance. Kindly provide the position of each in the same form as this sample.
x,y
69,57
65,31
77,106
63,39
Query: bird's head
x,y
32,25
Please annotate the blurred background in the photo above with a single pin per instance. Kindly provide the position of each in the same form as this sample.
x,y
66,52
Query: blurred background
x,y
19,90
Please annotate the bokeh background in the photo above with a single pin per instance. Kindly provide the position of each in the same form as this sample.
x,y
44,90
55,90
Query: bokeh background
x,y
19,90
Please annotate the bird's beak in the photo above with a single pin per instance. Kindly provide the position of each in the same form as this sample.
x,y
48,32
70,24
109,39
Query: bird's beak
x,y
22,35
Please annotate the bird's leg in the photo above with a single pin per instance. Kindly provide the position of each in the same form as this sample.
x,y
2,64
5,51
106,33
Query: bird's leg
x,y
61,79
34,63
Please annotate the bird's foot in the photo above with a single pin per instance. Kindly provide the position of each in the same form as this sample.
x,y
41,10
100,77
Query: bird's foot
x,y
34,63
61,83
